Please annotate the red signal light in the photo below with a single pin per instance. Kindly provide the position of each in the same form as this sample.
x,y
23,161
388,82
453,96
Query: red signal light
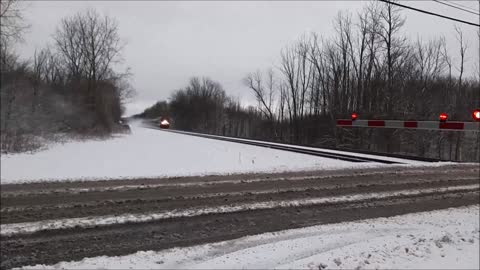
x,y
476,115
354,116
443,117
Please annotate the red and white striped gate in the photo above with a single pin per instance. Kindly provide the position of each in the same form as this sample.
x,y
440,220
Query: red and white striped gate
x,y
442,124
432,125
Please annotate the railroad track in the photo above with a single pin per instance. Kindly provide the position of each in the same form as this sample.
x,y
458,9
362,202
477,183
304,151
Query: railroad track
x,y
289,148
44,223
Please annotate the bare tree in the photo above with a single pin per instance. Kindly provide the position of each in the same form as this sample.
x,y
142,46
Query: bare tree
x,y
12,21
463,49
53,73
461,93
89,45
68,43
40,59
263,91
391,24
317,57
288,68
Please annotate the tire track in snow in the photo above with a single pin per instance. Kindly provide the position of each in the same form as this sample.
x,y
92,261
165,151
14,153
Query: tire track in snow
x,y
88,222
247,191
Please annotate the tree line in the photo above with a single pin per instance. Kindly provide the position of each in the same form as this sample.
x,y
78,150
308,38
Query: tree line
x,y
367,66
70,86
203,106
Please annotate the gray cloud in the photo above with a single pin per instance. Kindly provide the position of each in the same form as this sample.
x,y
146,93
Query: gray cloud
x,y
168,42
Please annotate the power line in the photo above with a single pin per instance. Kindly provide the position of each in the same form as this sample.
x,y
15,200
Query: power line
x,y
460,5
450,5
429,13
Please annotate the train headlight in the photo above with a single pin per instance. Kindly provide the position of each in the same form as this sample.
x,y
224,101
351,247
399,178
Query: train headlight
x,y
476,115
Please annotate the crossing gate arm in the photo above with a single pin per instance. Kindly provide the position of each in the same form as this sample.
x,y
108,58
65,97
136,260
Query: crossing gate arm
x,y
429,125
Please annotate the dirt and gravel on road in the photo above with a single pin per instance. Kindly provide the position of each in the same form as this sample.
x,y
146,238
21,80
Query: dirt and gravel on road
x,y
449,186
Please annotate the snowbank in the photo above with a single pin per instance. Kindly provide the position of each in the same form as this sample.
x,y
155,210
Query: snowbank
x,y
444,239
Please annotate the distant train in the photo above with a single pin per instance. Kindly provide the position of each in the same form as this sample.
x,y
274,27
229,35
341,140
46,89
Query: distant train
x,y
164,123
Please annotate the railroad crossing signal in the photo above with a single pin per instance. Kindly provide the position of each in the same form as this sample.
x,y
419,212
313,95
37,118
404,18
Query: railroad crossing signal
x,y
443,117
354,116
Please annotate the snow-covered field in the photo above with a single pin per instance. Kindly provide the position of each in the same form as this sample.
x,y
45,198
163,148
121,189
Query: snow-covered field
x,y
154,153
443,239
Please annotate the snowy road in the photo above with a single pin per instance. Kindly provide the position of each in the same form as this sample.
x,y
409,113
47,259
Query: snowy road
x,y
45,223
442,239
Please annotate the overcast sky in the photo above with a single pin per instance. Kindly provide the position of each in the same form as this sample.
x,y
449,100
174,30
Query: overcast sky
x,y
169,42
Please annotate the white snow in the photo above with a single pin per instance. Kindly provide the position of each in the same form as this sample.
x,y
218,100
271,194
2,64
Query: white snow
x,y
155,153
400,160
85,222
443,239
